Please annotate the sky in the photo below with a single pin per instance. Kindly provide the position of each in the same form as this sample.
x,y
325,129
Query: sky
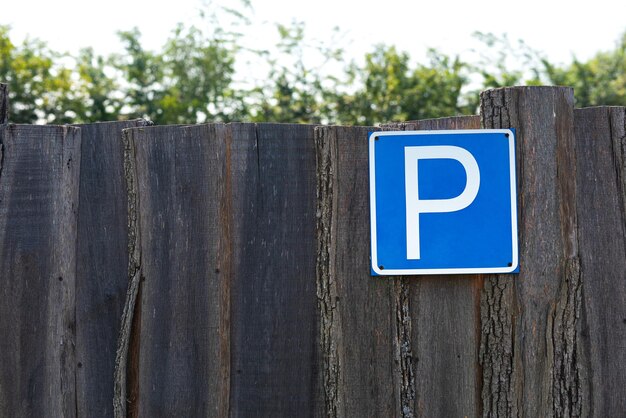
x,y
557,28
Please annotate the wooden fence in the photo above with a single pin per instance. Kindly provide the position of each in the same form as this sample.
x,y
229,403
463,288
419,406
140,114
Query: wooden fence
x,y
223,270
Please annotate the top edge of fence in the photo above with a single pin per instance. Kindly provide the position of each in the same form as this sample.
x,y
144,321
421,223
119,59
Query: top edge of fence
x,y
113,122
601,107
416,121
27,126
536,88
210,124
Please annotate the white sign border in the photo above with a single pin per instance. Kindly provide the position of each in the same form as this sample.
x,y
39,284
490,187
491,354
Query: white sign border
x,y
479,270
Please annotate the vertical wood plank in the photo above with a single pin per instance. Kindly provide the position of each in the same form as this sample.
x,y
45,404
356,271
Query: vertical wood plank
x,y
273,320
529,331
178,363
358,346
601,197
442,326
102,263
39,168
4,103
225,316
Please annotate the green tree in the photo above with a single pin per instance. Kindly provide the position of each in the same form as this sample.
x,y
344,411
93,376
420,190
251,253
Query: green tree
x,y
100,91
503,63
300,80
142,75
598,81
40,86
298,87
390,90
188,82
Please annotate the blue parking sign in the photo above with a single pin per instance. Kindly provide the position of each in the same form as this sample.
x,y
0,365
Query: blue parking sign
x,y
443,202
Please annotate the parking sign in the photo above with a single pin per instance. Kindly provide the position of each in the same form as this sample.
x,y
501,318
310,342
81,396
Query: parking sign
x,y
443,202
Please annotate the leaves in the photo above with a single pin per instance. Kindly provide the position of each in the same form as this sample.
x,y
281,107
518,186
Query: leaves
x,y
194,78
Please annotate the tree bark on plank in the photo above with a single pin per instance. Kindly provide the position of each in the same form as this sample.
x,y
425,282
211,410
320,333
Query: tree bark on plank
x,y
529,330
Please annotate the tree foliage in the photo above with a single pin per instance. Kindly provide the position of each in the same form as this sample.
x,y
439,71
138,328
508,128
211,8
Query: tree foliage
x,y
193,78
391,90
599,81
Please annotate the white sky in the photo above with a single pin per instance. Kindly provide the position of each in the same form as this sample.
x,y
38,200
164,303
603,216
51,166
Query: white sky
x,y
558,28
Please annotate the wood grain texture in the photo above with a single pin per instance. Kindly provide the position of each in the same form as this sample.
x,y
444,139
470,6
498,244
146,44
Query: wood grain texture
x,y
224,319
39,168
601,197
443,326
274,305
102,263
177,365
4,103
359,373
530,340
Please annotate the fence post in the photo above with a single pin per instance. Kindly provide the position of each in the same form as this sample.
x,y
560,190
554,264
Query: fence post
x,y
601,197
529,333
4,103
39,172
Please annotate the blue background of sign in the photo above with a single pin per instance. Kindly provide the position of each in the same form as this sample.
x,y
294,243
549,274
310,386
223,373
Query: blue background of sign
x,y
478,236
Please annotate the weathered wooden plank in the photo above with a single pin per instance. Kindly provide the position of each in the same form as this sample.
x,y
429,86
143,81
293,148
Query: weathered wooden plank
x,y
225,313
4,103
274,304
102,263
358,342
178,358
529,331
442,327
601,198
39,168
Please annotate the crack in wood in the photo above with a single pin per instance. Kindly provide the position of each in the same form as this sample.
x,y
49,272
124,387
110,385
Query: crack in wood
x,y
404,351
120,399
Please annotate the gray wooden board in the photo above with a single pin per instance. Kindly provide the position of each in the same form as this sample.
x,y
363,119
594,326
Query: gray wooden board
x,y
39,168
226,318
102,263
4,103
181,364
273,295
529,336
601,181
444,325
357,312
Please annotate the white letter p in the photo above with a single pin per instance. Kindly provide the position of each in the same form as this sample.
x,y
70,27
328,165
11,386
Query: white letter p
x,y
415,206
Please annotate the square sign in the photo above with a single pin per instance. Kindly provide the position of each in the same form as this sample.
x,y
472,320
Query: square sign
x,y
443,202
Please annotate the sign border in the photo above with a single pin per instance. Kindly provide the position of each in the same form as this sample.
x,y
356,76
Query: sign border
x,y
474,270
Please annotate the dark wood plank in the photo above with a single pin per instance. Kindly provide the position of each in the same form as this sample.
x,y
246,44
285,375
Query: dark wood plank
x,y
442,326
601,197
102,263
274,305
4,103
529,331
358,342
225,316
39,168
179,362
